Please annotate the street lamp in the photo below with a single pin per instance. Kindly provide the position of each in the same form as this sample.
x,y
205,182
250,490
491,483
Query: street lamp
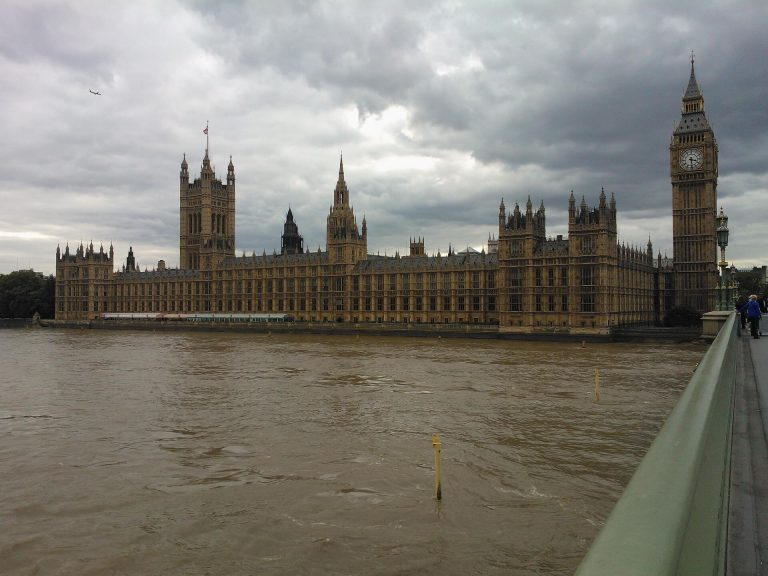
x,y
722,241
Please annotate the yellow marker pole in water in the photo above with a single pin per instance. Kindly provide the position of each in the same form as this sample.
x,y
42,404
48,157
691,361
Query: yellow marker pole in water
x,y
438,449
597,385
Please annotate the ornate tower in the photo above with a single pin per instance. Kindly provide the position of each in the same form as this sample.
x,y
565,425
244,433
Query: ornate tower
x,y
345,244
292,241
693,169
207,217
521,234
593,266
83,282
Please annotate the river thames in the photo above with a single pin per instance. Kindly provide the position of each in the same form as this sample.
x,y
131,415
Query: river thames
x,y
226,454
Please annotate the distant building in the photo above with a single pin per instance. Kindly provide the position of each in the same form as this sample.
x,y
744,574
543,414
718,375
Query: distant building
x,y
585,283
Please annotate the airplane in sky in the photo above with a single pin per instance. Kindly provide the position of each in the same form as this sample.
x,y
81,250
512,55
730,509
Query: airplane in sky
x,y
92,92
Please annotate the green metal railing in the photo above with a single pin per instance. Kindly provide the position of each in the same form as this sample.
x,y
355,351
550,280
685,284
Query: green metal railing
x,y
672,517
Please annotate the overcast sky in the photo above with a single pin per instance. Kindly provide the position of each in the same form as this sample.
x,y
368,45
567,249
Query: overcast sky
x,y
441,109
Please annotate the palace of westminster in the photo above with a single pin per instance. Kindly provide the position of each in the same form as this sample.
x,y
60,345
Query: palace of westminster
x,y
583,283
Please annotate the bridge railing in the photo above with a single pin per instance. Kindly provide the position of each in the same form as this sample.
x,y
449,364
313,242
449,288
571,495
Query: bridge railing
x,y
672,516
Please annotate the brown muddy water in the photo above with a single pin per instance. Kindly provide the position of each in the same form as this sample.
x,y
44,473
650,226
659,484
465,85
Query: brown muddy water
x,y
229,454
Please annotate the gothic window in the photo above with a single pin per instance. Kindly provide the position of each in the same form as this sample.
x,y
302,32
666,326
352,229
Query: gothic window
x,y
475,279
491,303
587,302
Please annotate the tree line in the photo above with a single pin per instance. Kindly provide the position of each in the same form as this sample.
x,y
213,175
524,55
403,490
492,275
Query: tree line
x,y
26,292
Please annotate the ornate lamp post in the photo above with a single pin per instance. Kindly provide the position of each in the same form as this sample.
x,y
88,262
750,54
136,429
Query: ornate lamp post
x,y
734,286
722,241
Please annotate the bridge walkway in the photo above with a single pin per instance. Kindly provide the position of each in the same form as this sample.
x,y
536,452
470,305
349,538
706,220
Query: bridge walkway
x,y
747,552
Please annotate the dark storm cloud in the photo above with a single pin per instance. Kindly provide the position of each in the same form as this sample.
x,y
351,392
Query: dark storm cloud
x,y
441,109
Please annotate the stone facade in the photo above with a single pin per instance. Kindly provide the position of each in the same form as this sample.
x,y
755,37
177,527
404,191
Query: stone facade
x,y
586,283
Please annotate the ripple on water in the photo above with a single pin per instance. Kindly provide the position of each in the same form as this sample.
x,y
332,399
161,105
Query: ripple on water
x,y
290,454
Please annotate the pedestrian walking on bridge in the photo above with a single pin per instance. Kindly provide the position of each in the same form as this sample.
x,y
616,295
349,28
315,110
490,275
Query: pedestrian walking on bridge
x,y
753,315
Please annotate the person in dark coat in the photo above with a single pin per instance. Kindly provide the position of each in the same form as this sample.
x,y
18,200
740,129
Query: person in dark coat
x,y
753,315
742,310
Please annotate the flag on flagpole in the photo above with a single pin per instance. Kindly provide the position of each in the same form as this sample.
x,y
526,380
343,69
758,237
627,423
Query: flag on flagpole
x,y
206,130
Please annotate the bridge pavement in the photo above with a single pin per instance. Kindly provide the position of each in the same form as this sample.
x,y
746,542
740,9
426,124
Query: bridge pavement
x,y
748,508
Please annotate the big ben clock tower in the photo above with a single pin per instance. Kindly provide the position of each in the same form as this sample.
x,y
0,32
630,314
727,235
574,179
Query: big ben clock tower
x,y
693,169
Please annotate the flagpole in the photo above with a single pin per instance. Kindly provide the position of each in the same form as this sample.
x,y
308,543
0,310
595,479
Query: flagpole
x,y
207,151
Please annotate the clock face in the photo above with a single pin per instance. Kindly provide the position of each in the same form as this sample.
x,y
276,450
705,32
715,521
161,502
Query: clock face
x,y
691,158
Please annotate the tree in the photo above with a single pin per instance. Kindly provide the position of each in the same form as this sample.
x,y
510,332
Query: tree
x,y
682,316
25,292
751,282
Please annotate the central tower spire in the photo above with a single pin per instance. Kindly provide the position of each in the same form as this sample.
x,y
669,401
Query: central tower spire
x,y
341,194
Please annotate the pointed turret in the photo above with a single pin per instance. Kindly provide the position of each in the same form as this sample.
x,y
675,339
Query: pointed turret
x,y
692,91
344,242
292,241
206,161
341,194
693,117
130,262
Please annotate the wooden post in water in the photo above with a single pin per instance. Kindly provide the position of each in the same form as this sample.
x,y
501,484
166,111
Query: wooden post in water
x,y
597,384
438,482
